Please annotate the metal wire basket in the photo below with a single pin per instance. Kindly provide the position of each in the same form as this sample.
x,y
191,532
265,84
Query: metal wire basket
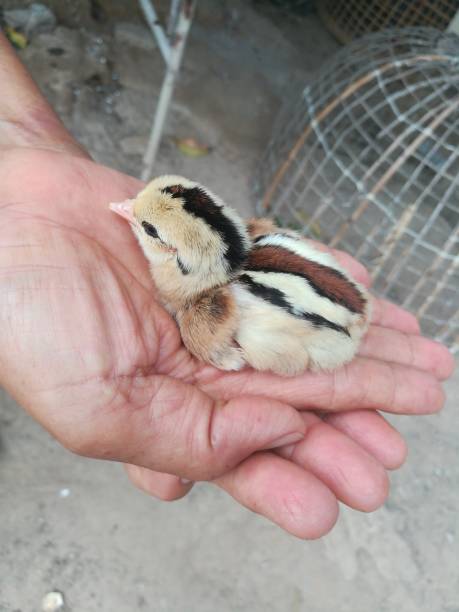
x,y
348,19
367,160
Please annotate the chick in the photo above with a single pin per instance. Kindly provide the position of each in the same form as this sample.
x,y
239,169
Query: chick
x,y
244,293
196,245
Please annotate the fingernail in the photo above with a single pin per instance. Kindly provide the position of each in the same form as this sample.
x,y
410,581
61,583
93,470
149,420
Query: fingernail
x,y
288,439
185,481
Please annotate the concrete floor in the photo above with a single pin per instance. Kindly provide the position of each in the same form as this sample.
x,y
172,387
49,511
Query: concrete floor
x,y
77,525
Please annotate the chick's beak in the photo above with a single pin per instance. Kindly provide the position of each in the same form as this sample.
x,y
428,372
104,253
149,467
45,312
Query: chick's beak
x,y
124,209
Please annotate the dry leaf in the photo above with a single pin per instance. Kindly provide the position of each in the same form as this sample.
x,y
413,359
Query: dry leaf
x,y
192,148
16,38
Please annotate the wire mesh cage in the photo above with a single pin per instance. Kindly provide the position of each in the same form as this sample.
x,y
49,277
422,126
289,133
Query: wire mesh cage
x,y
367,160
348,19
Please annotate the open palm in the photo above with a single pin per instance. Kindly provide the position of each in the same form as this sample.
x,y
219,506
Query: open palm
x,y
87,349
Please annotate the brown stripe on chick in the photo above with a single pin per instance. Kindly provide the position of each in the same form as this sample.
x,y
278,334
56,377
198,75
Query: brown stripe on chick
x,y
219,305
326,282
216,307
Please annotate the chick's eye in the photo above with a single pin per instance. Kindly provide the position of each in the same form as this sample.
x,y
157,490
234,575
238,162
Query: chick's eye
x,y
150,229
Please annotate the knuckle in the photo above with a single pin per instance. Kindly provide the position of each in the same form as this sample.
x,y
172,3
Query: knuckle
x,y
350,385
207,448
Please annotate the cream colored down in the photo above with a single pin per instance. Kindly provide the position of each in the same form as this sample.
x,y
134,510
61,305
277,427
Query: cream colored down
x,y
304,299
271,339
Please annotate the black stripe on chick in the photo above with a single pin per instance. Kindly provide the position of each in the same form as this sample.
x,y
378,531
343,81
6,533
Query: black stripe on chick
x,y
182,267
275,235
277,298
199,204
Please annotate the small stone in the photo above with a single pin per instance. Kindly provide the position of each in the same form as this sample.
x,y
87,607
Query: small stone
x,y
64,492
54,600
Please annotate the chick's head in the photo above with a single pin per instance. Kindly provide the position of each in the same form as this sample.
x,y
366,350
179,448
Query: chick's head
x,y
177,220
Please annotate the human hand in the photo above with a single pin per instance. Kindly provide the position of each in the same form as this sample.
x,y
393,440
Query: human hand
x,y
90,354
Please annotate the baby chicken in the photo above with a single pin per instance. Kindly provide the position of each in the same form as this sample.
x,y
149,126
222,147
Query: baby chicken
x,y
244,293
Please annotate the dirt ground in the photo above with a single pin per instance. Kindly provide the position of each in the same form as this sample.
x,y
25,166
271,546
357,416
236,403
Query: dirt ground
x,y
76,525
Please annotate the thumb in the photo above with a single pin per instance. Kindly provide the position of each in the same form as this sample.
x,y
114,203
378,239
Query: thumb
x,y
174,427
26,118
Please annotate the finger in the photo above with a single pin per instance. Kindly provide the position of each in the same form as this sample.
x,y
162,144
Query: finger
x,y
284,493
407,349
373,433
351,265
169,426
26,118
386,314
364,383
163,486
354,476
354,267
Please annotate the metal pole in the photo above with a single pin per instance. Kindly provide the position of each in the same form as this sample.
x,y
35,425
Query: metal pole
x,y
177,46
173,16
156,28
